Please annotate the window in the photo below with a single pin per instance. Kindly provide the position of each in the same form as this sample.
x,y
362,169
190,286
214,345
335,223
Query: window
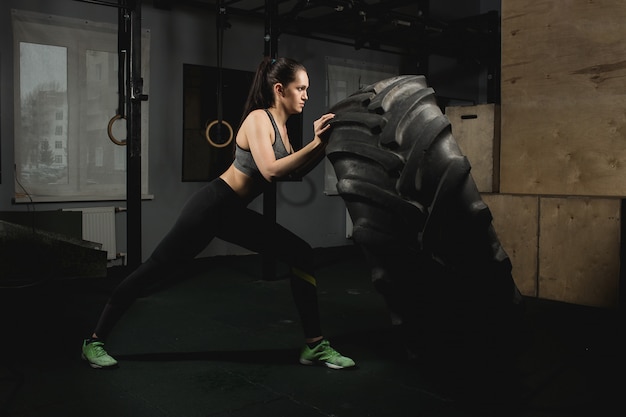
x,y
344,77
66,70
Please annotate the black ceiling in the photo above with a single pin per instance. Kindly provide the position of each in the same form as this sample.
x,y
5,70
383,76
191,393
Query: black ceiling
x,y
397,26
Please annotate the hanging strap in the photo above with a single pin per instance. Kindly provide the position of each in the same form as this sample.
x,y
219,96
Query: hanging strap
x,y
221,26
123,43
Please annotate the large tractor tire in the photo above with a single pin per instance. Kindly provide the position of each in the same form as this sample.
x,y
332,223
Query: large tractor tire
x,y
417,214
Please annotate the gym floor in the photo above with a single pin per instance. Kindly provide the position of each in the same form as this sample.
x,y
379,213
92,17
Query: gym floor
x,y
224,342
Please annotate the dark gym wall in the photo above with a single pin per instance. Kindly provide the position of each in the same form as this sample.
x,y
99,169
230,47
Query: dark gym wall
x,y
188,36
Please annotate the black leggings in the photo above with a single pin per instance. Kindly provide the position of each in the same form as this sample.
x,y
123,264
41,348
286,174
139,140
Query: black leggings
x,y
217,211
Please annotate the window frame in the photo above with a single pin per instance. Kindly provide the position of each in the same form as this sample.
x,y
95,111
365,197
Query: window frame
x,y
70,34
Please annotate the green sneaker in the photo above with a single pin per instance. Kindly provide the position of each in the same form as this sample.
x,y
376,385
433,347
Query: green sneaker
x,y
326,355
94,353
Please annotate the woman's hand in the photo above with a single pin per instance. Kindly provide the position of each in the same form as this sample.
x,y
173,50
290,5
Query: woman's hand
x,y
322,126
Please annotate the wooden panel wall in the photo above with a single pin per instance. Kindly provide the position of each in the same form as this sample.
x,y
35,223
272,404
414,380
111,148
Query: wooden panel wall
x,y
563,97
562,248
579,244
562,147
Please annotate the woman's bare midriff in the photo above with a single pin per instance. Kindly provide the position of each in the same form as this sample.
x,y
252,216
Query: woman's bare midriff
x,y
244,185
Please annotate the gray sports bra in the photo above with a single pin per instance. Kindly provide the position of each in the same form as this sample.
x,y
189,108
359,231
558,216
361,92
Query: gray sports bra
x,y
244,161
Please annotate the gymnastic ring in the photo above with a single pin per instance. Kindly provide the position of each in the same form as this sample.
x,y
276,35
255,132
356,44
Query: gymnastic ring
x,y
110,130
208,136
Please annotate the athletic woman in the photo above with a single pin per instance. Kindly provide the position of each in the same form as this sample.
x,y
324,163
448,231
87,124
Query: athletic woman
x,y
263,154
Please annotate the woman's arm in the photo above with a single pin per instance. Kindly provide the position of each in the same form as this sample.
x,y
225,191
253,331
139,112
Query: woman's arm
x,y
258,131
315,159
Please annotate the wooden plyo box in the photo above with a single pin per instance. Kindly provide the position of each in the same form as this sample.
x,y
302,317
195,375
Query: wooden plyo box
x,y
477,131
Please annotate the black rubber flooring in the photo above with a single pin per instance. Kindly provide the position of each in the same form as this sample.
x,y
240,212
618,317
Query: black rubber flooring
x,y
224,342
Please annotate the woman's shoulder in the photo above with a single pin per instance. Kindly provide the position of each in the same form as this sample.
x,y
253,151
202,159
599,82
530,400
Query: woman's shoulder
x,y
256,125
258,113
257,118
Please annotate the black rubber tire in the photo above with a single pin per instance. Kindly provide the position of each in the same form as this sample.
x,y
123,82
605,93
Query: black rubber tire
x,y
415,208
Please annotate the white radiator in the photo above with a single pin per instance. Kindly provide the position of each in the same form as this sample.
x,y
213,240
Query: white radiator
x,y
99,227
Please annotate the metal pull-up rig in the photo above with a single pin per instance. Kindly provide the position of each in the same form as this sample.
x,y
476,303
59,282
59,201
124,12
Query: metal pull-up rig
x,y
129,108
